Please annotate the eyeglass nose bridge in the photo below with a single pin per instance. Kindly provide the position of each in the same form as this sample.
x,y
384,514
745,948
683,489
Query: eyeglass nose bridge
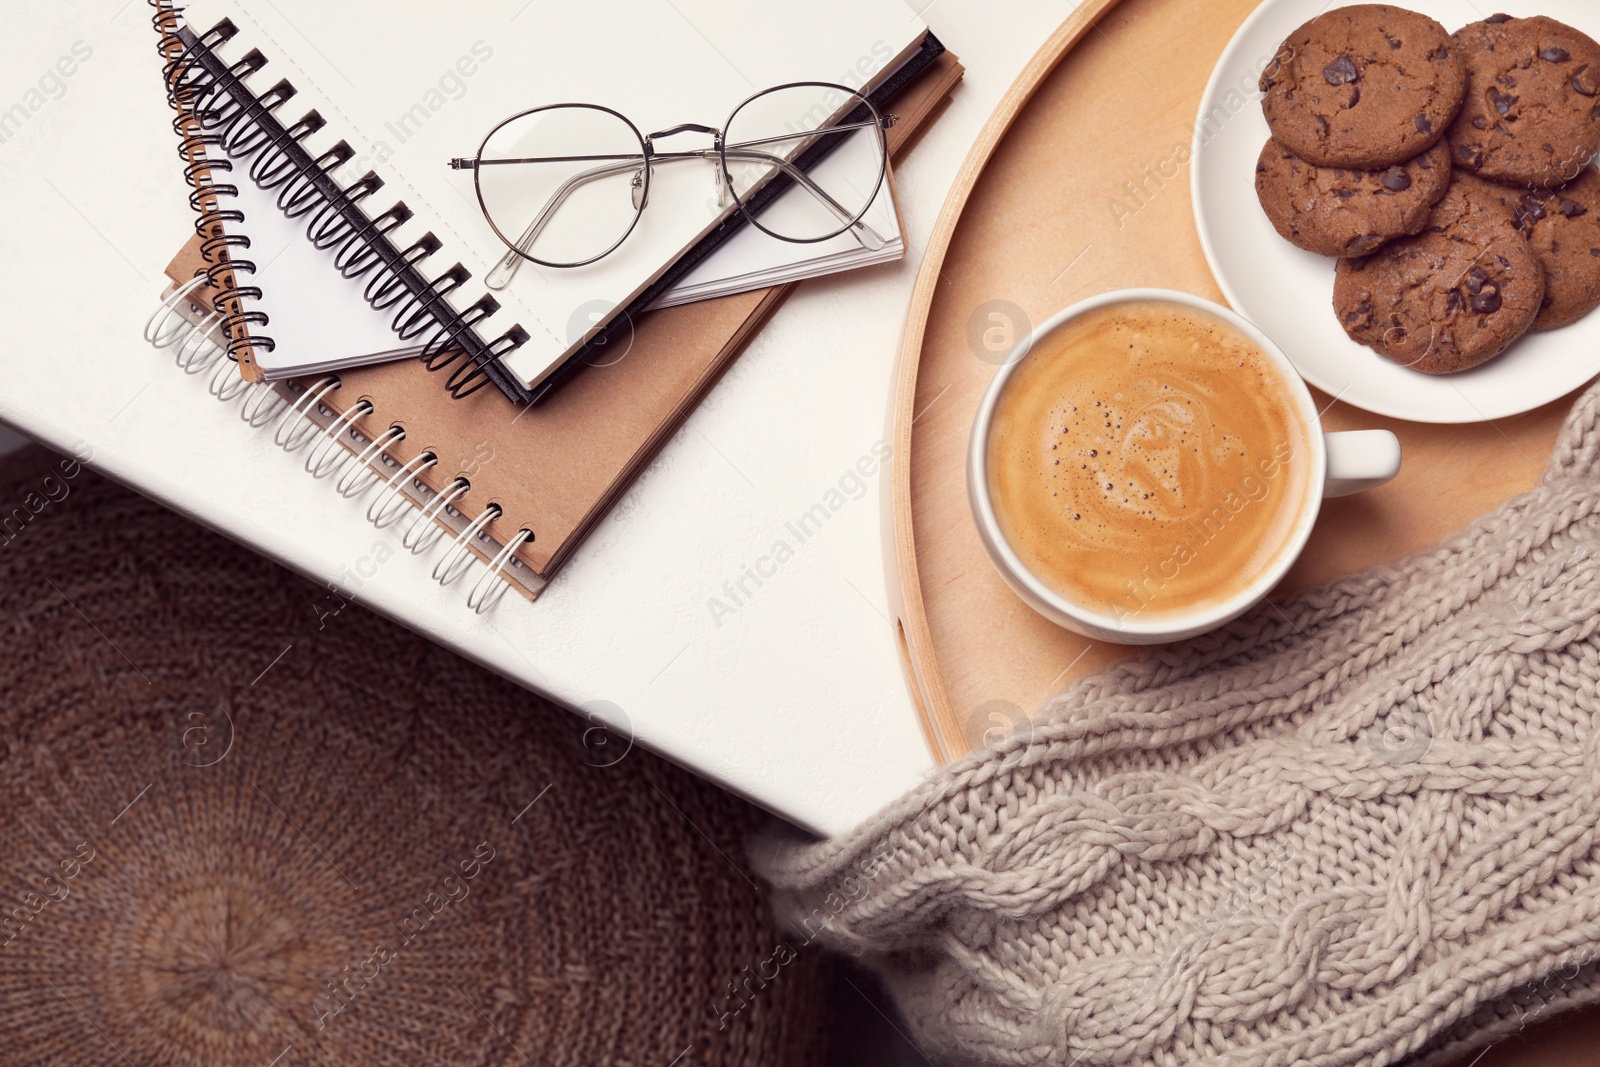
x,y
724,191
687,127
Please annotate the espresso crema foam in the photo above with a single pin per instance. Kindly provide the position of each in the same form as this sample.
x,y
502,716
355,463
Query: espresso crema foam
x,y
1146,459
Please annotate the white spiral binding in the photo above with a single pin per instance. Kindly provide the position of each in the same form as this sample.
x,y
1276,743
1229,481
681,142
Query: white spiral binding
x,y
486,592
359,476
191,338
264,404
200,336
317,462
391,503
296,427
425,529
226,385
156,332
458,559
168,327
198,343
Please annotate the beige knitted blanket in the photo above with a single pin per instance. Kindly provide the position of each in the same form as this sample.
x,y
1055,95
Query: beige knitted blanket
x,y
1353,827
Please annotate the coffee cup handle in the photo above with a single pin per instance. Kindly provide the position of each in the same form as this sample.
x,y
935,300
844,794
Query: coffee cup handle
x,y
1359,460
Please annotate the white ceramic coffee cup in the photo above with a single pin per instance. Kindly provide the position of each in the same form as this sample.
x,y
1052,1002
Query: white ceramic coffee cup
x,y
1341,464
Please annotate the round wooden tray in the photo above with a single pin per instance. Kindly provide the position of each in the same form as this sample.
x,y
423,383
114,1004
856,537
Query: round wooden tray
x,y
1079,183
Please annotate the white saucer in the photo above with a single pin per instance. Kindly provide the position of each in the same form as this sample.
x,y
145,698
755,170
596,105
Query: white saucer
x,y
1288,293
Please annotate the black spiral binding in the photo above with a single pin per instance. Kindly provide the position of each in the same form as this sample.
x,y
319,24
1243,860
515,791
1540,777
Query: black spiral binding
x,y
225,115
207,193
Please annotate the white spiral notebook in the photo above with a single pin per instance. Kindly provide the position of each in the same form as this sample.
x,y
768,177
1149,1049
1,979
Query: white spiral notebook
x,y
517,493
317,324
405,90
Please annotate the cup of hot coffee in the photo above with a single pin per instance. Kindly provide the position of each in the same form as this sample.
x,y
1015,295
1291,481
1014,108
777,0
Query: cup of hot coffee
x,y
1148,465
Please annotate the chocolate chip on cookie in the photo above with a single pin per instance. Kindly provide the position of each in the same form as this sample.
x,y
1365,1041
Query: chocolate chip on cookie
x,y
1367,86
1563,225
1450,298
1338,212
1532,112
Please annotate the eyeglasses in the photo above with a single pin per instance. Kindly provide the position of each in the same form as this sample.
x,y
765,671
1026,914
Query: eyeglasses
x,y
564,185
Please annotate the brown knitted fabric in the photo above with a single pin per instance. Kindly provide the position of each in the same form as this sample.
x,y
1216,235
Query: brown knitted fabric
x,y
1358,825
240,824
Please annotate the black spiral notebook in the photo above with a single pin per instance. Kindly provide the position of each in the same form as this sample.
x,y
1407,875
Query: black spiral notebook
x,y
518,493
281,106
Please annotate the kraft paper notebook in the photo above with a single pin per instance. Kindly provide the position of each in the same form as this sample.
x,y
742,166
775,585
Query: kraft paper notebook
x,y
324,92
552,471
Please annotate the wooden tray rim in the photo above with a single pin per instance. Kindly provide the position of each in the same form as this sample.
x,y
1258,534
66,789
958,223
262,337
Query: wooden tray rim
x,y
914,637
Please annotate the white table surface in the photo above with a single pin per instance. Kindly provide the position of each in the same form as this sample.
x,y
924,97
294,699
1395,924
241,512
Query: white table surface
x,y
796,700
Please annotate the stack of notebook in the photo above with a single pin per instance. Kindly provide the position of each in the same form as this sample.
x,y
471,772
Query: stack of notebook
x,y
337,256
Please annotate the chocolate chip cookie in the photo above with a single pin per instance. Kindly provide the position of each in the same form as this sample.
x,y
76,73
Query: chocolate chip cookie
x,y
1563,225
1337,212
1366,86
1450,298
1532,113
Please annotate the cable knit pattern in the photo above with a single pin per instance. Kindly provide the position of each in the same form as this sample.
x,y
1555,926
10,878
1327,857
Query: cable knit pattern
x,y
1352,827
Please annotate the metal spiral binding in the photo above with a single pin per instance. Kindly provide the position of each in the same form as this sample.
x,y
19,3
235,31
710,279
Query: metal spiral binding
x,y
262,406
391,503
200,339
168,327
226,384
191,96
360,475
299,415
457,559
295,426
328,456
485,593
244,127
425,530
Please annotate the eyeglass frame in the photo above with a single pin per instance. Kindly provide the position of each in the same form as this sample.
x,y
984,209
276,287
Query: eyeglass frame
x,y
789,169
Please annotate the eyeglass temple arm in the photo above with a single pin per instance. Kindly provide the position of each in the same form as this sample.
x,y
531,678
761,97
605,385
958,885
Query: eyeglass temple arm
x,y
512,261
870,239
